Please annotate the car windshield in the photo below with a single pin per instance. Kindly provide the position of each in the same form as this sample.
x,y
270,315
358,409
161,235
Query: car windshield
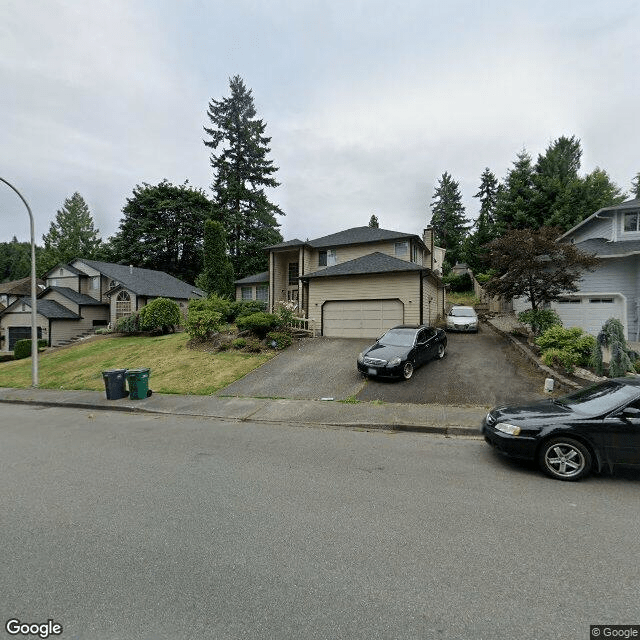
x,y
465,313
398,338
600,398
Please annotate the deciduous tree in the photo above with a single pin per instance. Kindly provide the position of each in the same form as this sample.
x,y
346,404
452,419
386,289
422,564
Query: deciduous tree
x,y
162,229
534,265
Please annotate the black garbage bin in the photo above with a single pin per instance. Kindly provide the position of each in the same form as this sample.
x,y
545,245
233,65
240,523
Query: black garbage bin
x,y
114,383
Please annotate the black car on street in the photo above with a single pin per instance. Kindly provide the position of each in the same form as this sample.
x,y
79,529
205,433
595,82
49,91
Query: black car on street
x,y
589,430
401,350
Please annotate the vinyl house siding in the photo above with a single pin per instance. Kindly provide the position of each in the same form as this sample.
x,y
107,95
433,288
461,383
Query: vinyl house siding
x,y
22,319
400,286
63,300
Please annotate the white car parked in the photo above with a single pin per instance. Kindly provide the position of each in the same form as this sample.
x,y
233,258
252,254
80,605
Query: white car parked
x,y
462,319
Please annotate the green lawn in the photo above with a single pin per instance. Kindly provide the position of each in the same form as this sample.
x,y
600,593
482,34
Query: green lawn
x,y
174,367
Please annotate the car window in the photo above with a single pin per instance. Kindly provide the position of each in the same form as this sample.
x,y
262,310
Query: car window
x,y
429,333
422,336
399,337
600,398
463,313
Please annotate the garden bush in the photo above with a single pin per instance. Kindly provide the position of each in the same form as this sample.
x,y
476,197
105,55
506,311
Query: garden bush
x,y
241,308
622,358
259,323
128,324
203,321
160,314
279,339
22,348
459,283
540,319
239,343
567,347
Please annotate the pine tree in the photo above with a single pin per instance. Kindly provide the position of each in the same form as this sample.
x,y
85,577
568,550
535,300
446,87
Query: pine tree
x,y
515,201
217,276
635,186
242,172
448,217
373,222
72,235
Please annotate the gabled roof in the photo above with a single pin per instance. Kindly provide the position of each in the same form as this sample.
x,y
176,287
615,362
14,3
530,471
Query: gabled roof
x,y
48,308
20,287
74,296
606,249
259,278
372,263
144,282
628,204
356,235
67,267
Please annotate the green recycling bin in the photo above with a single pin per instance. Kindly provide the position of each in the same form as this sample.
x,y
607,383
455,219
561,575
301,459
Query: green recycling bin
x,y
138,381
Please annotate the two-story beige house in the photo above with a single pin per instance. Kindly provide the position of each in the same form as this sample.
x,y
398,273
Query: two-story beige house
x,y
86,294
358,282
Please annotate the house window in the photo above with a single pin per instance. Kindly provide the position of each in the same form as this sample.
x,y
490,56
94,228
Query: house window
x,y
94,283
569,301
61,272
123,305
402,249
293,273
247,293
262,292
601,300
632,221
415,255
327,258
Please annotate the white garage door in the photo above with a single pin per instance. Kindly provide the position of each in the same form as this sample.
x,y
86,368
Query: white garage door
x,y
590,312
360,318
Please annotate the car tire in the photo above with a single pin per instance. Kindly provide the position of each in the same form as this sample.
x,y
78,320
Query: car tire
x,y
441,351
407,370
565,459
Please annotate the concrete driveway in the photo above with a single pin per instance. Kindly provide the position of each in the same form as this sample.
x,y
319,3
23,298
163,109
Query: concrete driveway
x,y
479,369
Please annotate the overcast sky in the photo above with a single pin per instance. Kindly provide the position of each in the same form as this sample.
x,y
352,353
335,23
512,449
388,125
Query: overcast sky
x,y
367,102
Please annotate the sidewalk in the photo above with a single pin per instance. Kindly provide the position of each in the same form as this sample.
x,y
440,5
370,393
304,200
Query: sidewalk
x,y
443,419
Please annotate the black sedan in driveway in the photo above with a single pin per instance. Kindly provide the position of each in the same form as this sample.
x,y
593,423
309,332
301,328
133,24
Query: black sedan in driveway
x,y
401,350
588,430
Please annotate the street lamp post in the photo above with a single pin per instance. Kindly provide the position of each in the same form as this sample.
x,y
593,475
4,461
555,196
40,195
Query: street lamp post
x,y
34,315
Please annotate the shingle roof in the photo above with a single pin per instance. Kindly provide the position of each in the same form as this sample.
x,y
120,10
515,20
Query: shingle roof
x,y
20,287
144,282
74,296
356,235
259,278
49,309
628,204
604,249
373,263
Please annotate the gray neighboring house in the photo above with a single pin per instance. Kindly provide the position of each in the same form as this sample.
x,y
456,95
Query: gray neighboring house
x,y
612,290
86,294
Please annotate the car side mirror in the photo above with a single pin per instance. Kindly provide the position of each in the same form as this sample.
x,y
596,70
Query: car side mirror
x,y
630,412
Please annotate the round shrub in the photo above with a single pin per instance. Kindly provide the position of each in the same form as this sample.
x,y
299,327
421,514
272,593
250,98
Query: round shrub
x,y
540,319
128,324
573,342
258,323
22,348
160,314
203,321
239,343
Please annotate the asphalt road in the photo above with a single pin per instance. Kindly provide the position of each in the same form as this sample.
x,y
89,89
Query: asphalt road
x,y
132,526
479,369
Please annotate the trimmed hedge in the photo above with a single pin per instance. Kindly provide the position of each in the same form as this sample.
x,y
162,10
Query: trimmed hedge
x,y
22,348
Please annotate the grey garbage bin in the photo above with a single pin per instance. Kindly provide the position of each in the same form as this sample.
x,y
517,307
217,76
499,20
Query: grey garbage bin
x,y
115,383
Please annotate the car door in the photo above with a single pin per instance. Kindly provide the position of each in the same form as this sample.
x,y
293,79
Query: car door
x,y
421,347
621,435
431,337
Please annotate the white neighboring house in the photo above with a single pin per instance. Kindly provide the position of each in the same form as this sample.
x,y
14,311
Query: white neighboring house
x,y
86,294
612,290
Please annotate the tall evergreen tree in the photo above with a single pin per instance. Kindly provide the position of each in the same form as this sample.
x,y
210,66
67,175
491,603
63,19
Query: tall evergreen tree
x,y
15,260
72,235
217,276
514,202
242,172
373,222
162,229
484,227
448,217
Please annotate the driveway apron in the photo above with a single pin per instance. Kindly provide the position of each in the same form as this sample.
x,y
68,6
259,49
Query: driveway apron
x,y
311,369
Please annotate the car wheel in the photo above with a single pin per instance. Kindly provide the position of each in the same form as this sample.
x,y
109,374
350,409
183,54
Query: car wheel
x,y
441,351
407,370
565,459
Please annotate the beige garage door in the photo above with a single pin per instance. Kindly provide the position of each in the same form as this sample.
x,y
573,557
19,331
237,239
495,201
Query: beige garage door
x,y
360,318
